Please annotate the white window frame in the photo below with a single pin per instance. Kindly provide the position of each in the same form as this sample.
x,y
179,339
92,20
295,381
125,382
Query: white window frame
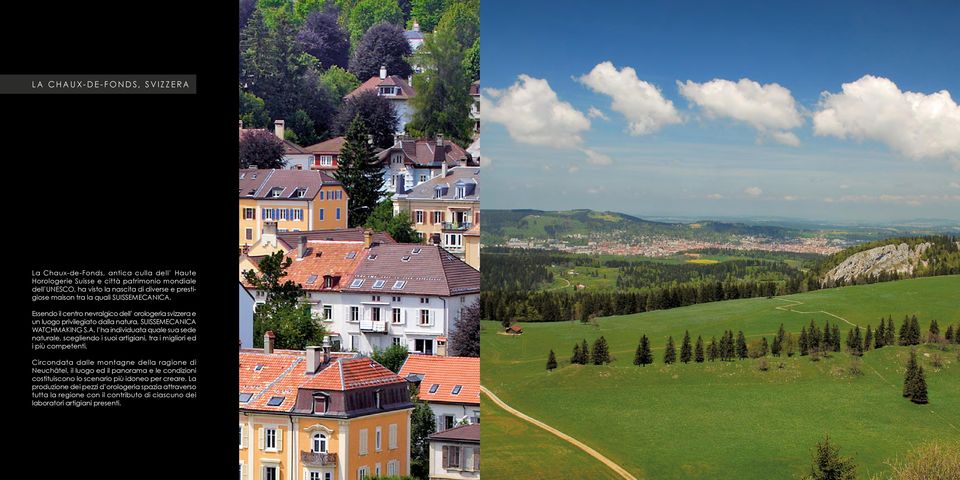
x,y
326,160
397,316
418,216
378,440
318,443
270,436
393,438
354,314
364,435
424,319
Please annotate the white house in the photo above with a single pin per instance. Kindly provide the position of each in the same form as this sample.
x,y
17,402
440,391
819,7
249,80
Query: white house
x,y
247,305
396,89
410,162
369,295
455,453
450,385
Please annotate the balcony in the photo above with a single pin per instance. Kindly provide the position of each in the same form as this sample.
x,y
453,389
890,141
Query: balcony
x,y
316,459
457,227
373,326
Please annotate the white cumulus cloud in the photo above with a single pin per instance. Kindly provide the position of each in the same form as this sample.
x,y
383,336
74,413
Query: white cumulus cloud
x,y
914,124
770,109
596,157
594,112
753,191
640,102
533,114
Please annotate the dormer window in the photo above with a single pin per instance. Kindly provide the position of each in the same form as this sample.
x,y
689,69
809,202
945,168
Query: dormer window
x,y
275,192
327,281
438,191
377,399
388,90
461,191
320,402
299,193
396,159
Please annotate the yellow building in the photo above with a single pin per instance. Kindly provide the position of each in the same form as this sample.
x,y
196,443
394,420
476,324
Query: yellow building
x,y
317,415
296,200
445,211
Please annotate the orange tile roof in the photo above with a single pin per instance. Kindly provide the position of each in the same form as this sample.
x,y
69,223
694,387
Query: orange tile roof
x,y
332,261
283,372
446,373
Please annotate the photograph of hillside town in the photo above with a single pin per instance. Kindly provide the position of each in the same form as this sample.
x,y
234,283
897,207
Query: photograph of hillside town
x,y
359,239
722,240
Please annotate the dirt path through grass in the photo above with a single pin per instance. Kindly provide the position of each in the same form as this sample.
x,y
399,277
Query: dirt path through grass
x,y
593,453
794,303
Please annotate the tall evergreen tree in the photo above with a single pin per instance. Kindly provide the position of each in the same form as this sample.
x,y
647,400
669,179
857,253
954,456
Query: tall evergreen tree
x,y
867,339
934,330
836,337
763,347
903,338
814,336
827,342
670,354
889,332
881,335
741,345
686,351
643,356
855,341
713,350
909,377
698,350
601,354
777,345
828,464
359,173
584,352
914,330
551,361
949,335
804,342
919,393
575,358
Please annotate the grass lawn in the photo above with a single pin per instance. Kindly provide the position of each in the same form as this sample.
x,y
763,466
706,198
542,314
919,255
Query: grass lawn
x,y
714,420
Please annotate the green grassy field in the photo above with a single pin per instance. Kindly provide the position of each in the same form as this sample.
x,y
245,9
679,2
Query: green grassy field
x,y
724,420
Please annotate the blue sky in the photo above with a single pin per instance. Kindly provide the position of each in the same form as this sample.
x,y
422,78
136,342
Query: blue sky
x,y
698,109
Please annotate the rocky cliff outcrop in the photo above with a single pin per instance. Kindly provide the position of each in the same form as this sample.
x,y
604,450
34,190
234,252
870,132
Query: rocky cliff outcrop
x,y
900,259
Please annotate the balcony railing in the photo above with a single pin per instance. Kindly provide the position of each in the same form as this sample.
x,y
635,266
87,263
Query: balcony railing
x,y
454,248
372,326
459,227
317,459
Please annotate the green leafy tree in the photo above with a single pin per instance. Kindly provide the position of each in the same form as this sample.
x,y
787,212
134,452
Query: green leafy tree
x,y
359,173
303,8
427,13
686,351
601,353
698,350
950,333
828,464
471,61
391,357
643,356
790,345
442,104
399,226
271,279
282,312
741,346
253,112
551,361
670,353
368,13
338,82
422,425
300,129
463,19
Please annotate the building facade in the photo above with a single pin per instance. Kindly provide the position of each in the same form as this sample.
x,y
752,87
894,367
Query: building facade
x,y
449,385
327,154
295,200
396,89
317,415
455,454
445,211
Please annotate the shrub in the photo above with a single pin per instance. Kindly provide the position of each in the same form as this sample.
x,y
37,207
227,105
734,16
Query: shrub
x,y
762,364
930,461
855,368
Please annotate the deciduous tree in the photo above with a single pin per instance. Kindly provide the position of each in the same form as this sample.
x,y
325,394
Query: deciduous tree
x,y
465,338
399,226
260,149
378,114
323,37
368,13
382,45
442,104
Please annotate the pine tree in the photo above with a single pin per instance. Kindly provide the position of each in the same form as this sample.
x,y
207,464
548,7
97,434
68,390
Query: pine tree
x,y
359,173
804,342
867,339
949,334
741,345
836,338
910,375
575,358
763,347
881,335
551,361
889,332
934,330
698,350
777,345
601,354
827,343
855,342
584,352
828,464
914,330
904,335
670,354
685,350
814,336
643,356
919,394
712,350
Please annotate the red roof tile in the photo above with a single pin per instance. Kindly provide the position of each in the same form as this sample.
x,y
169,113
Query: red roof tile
x,y
446,373
464,433
330,147
392,80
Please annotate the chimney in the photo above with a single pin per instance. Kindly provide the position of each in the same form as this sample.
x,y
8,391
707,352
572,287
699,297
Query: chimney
x,y
399,182
367,238
268,342
318,357
302,247
442,348
383,72
278,129
416,26
439,140
443,169
269,235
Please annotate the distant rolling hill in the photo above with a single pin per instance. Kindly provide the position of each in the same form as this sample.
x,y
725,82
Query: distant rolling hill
x,y
500,225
